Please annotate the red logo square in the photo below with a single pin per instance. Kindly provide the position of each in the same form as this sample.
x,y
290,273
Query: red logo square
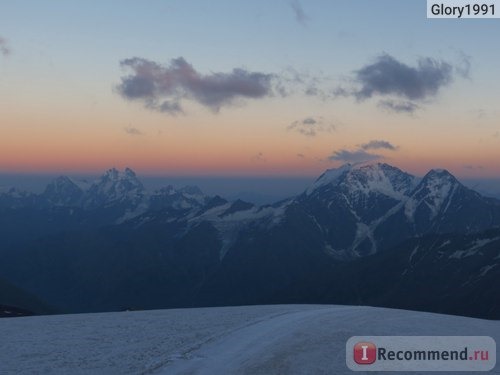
x,y
365,353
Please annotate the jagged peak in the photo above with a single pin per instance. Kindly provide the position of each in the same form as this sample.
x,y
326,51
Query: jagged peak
x,y
116,172
438,177
191,189
111,172
115,175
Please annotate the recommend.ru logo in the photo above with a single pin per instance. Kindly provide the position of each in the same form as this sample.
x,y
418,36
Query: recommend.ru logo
x,y
421,353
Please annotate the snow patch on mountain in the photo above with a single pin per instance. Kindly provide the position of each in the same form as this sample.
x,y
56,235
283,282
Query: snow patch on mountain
x,y
437,187
367,178
379,178
131,213
364,232
473,248
331,176
230,225
483,271
114,186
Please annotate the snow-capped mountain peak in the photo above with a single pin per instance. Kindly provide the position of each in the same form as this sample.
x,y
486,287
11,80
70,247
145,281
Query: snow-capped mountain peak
x,y
379,178
124,181
330,176
367,178
187,197
115,186
63,191
114,174
436,188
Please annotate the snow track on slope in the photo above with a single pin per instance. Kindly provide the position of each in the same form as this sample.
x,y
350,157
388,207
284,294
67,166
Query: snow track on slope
x,y
280,339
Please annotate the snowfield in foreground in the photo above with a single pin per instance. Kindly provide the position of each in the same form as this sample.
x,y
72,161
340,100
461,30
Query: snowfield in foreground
x,y
286,339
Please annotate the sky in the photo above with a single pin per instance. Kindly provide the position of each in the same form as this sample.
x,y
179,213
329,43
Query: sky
x,y
239,88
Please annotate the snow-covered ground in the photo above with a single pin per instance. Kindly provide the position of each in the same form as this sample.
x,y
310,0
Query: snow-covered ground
x,y
286,339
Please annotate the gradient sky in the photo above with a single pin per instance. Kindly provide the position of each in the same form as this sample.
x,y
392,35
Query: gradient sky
x,y
64,108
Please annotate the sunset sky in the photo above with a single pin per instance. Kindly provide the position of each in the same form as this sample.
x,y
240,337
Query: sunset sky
x,y
281,88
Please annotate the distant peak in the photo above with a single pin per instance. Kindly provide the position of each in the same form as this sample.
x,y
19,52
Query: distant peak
x,y
129,172
61,183
115,174
367,177
112,172
439,173
62,179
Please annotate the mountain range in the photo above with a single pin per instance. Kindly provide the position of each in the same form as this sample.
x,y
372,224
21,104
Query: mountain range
x,y
367,234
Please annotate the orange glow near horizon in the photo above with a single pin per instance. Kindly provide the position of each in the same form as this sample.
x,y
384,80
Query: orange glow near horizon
x,y
243,142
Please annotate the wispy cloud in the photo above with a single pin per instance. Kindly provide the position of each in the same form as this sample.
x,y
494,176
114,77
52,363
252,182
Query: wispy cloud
x,y
259,157
378,145
473,167
463,67
479,113
399,106
4,47
355,156
132,131
164,87
300,16
362,152
311,126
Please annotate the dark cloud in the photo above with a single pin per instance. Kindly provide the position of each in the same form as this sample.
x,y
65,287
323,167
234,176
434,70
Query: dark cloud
x,y
164,87
399,106
356,156
404,86
388,76
172,107
311,126
378,145
133,131
4,47
300,16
